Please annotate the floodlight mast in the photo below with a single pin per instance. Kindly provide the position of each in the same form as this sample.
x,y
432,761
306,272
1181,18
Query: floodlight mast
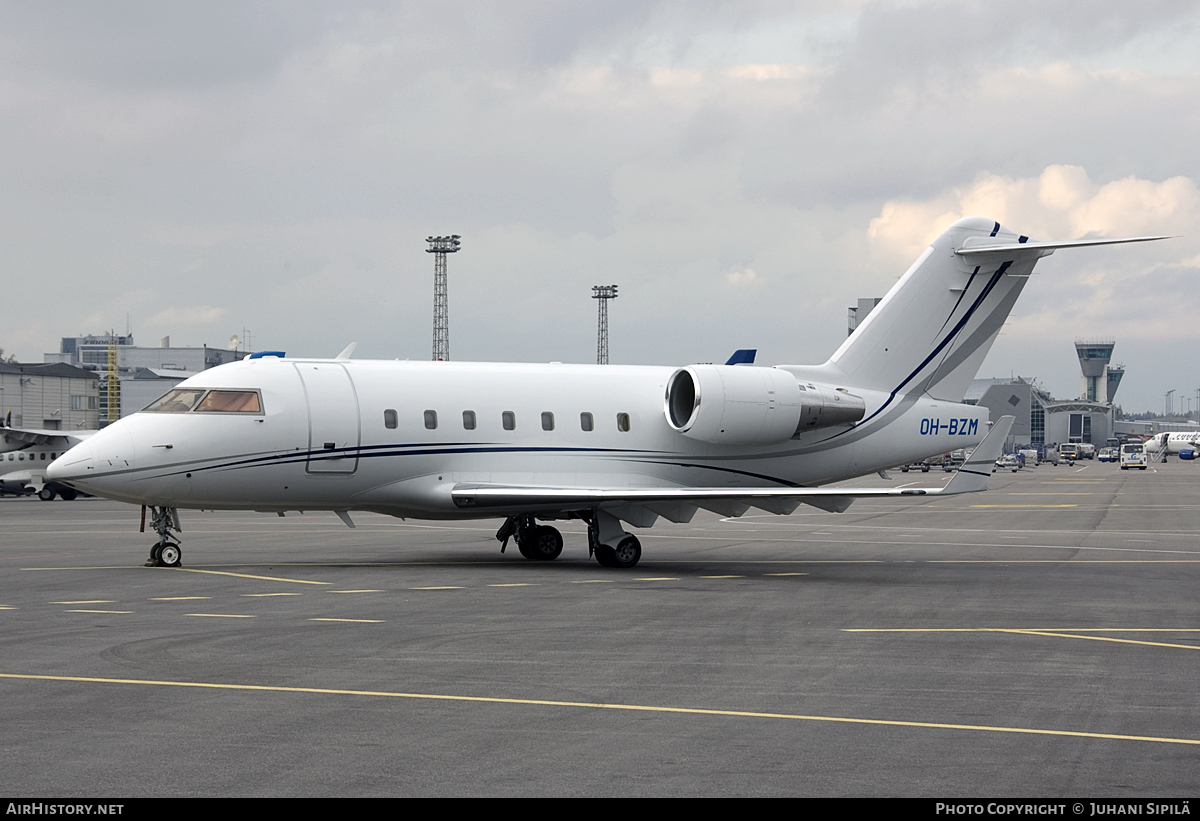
x,y
603,293
439,247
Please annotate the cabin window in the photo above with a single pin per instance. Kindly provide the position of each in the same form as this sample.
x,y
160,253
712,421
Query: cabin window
x,y
547,420
390,419
230,402
623,422
509,420
468,420
586,422
431,420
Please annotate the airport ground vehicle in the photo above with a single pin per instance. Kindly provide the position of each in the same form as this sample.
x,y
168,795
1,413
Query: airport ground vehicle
x,y
1133,455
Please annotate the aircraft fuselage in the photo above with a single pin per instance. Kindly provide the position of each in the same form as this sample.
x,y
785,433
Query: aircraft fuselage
x,y
395,437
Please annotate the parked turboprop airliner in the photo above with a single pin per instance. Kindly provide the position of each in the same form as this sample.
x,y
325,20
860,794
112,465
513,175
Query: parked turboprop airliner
x,y
603,443
25,453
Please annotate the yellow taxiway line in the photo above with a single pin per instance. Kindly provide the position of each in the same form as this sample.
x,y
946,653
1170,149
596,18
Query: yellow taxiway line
x,y
639,708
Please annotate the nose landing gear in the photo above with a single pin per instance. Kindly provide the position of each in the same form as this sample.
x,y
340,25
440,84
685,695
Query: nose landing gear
x,y
166,551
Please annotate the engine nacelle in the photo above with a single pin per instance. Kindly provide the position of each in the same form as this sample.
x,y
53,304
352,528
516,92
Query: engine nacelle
x,y
737,405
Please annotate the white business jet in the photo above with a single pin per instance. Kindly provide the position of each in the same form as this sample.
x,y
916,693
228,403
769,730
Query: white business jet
x,y
611,445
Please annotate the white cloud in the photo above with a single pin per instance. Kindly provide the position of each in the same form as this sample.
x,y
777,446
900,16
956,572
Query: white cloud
x,y
1060,203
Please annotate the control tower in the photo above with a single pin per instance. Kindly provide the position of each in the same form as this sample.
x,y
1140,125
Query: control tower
x,y
1115,372
1094,356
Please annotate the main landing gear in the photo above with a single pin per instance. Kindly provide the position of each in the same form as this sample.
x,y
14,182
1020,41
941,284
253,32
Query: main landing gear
x,y
536,542
611,545
166,551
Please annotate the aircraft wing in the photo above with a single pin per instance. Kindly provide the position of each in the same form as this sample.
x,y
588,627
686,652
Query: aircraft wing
x,y
679,503
35,436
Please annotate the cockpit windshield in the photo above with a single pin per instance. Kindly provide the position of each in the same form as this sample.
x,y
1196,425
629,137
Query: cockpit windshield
x,y
230,402
202,400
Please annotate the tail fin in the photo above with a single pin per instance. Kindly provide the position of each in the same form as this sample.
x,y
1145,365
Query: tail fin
x,y
932,331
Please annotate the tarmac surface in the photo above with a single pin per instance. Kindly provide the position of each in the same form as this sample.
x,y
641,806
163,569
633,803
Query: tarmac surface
x,y
1039,640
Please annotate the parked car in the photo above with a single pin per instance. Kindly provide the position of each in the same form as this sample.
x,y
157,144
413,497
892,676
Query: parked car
x,y
1008,461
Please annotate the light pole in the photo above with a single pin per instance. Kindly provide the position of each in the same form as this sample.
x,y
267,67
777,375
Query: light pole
x,y
603,293
439,247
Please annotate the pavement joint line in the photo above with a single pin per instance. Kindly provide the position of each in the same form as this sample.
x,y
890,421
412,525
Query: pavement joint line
x,y
640,708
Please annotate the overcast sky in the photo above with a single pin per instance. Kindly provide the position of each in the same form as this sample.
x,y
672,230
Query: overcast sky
x,y
743,171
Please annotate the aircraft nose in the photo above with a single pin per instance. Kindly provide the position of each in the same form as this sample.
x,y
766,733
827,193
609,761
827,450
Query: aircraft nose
x,y
76,463
95,462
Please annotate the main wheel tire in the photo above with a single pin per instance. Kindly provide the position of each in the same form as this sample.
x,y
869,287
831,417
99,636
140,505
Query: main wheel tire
x,y
606,556
627,553
169,555
547,544
68,494
46,494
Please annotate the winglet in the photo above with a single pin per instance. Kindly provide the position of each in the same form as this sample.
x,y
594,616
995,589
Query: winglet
x,y
743,356
974,474
344,355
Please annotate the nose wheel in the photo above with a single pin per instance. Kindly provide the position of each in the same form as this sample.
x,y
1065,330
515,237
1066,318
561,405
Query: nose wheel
x,y
166,554
166,551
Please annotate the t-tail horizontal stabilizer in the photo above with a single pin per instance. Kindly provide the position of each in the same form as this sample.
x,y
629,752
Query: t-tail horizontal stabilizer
x,y
977,246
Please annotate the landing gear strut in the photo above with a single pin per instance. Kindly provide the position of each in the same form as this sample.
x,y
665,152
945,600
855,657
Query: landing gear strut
x,y
166,551
536,542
